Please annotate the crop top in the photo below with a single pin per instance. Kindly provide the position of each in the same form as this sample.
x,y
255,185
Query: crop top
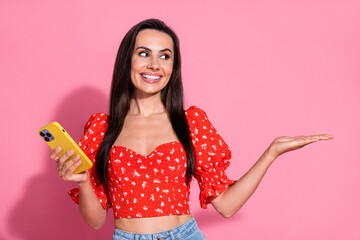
x,y
155,185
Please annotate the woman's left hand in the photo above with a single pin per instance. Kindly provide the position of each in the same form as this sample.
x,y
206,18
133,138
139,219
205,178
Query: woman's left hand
x,y
285,144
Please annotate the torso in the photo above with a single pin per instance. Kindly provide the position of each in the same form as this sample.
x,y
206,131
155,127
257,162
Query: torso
x,y
143,135
148,225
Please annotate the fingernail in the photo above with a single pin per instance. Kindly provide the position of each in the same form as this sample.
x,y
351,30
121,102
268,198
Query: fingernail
x,y
57,149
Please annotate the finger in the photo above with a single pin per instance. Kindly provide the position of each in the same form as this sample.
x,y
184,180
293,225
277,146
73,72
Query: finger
x,y
316,136
68,165
323,136
54,153
300,136
64,158
70,171
309,141
301,142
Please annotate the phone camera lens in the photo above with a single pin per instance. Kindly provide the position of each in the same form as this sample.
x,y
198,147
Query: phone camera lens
x,y
48,134
42,134
47,139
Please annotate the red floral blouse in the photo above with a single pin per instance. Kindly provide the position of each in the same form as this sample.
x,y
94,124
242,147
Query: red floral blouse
x,y
155,185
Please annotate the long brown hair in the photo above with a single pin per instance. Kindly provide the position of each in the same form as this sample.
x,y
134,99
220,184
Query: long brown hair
x,y
121,92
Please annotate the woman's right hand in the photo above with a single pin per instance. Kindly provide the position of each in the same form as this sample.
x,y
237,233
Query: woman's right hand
x,y
66,169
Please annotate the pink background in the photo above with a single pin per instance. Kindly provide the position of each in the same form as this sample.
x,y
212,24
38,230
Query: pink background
x,y
260,70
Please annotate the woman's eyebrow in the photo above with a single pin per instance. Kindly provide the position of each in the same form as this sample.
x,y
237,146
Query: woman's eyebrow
x,y
148,49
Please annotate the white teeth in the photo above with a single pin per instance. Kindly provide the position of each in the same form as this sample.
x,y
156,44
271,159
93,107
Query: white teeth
x,y
151,77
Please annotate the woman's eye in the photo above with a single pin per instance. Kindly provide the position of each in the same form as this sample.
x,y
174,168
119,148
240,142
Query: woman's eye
x,y
143,54
165,57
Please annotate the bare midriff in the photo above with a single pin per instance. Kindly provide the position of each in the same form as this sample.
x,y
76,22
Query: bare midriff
x,y
147,225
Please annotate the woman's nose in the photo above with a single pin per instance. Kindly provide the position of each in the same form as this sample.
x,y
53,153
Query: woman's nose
x,y
153,63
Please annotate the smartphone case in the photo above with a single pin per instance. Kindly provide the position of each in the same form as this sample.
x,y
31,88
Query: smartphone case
x,y
55,135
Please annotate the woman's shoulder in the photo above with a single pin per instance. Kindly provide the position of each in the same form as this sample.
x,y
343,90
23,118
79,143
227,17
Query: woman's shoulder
x,y
195,112
96,121
197,119
98,117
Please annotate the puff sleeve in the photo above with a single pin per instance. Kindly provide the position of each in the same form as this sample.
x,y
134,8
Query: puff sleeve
x,y
94,132
212,156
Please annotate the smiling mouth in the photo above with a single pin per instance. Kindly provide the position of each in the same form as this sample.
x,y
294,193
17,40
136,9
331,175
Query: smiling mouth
x,y
150,77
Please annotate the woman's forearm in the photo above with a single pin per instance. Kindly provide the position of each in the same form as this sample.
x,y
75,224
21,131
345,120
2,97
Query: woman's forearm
x,y
90,208
236,195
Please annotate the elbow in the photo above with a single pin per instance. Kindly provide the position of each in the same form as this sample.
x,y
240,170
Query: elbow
x,y
96,227
228,211
95,222
224,209
227,214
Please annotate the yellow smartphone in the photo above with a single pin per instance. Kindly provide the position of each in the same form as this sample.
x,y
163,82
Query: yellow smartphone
x,y
55,135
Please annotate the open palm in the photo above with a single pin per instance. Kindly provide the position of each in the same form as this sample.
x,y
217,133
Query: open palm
x,y
285,144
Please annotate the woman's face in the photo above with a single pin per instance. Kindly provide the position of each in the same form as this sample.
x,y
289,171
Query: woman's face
x,y
152,62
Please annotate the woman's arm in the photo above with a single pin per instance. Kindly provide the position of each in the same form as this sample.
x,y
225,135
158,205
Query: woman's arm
x,y
236,195
90,208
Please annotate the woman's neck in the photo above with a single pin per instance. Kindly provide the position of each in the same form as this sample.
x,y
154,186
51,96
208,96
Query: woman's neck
x,y
146,105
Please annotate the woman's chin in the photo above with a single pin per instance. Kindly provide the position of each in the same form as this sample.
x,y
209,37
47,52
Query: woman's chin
x,y
142,93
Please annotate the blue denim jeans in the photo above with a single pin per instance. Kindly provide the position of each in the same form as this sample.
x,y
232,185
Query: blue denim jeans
x,y
186,231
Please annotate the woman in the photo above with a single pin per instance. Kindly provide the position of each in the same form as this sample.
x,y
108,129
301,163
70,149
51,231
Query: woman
x,y
148,148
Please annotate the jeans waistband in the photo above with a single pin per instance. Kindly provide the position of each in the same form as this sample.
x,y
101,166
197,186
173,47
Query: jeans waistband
x,y
181,231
